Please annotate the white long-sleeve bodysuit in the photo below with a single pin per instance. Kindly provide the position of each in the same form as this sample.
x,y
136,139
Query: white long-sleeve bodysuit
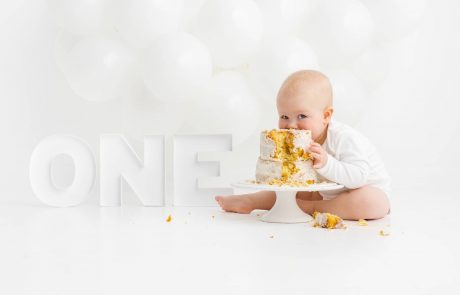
x,y
352,161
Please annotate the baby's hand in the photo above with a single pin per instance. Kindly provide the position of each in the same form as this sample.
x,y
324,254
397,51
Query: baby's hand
x,y
318,154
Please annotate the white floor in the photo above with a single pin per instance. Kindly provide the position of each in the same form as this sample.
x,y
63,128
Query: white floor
x,y
133,250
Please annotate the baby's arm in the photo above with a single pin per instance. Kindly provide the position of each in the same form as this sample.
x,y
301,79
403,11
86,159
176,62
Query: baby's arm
x,y
352,170
351,175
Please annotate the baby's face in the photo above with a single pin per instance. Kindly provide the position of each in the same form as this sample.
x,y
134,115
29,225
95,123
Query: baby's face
x,y
296,112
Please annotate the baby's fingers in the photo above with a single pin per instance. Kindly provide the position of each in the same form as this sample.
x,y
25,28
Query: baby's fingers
x,y
316,166
315,155
315,148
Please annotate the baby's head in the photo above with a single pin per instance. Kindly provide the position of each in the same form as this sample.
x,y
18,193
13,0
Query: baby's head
x,y
304,101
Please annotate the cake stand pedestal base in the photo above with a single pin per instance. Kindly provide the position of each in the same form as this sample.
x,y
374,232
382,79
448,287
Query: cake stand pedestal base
x,y
286,209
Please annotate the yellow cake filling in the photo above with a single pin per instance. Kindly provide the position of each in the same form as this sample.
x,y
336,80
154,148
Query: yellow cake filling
x,y
286,152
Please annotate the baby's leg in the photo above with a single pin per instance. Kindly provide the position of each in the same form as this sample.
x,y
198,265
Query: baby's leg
x,y
247,202
261,200
309,196
363,203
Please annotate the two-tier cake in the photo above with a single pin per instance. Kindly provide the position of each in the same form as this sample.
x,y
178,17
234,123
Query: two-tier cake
x,y
284,158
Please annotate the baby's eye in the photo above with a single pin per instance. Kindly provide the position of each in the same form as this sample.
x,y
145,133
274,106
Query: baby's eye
x,y
284,117
302,116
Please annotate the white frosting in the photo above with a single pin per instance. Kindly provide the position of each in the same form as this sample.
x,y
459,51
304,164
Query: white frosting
x,y
267,146
302,140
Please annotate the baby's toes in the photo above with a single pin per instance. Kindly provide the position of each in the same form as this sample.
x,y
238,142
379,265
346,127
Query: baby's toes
x,y
219,199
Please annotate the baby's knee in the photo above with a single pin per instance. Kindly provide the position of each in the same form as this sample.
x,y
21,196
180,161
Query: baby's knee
x,y
372,203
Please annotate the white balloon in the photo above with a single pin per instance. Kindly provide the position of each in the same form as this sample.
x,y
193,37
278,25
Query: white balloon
x,y
278,57
99,69
283,16
191,10
9,8
372,67
83,17
177,67
339,30
231,29
348,96
63,44
228,106
395,18
142,115
141,21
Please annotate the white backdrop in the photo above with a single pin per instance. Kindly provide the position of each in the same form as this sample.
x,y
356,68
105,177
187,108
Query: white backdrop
x,y
398,88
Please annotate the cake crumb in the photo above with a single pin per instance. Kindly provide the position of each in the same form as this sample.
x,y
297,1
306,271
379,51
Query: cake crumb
x,y
328,220
169,218
362,222
281,182
383,233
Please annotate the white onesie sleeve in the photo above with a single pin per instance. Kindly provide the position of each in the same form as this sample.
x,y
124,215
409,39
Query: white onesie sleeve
x,y
351,166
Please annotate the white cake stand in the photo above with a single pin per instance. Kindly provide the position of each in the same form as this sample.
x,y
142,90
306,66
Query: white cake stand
x,y
286,209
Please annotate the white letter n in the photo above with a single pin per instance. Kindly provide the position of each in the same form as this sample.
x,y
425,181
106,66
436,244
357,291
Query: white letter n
x,y
118,160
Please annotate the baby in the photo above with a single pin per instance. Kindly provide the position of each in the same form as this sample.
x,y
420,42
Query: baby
x,y
340,154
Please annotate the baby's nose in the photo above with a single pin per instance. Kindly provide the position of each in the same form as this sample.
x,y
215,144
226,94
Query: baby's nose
x,y
291,125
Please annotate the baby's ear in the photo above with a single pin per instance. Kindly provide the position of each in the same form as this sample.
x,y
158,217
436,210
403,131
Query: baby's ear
x,y
328,113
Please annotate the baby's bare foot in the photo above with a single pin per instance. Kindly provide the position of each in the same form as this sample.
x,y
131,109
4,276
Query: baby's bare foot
x,y
236,204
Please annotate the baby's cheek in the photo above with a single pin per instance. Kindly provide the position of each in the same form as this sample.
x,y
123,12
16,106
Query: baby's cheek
x,y
304,126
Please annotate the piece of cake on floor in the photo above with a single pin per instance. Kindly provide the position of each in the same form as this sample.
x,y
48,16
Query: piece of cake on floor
x,y
285,158
327,220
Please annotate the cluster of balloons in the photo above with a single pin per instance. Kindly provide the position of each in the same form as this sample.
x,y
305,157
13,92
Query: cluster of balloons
x,y
209,65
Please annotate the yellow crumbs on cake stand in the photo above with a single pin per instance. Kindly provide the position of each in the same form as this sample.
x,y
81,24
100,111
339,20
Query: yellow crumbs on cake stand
x,y
280,182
